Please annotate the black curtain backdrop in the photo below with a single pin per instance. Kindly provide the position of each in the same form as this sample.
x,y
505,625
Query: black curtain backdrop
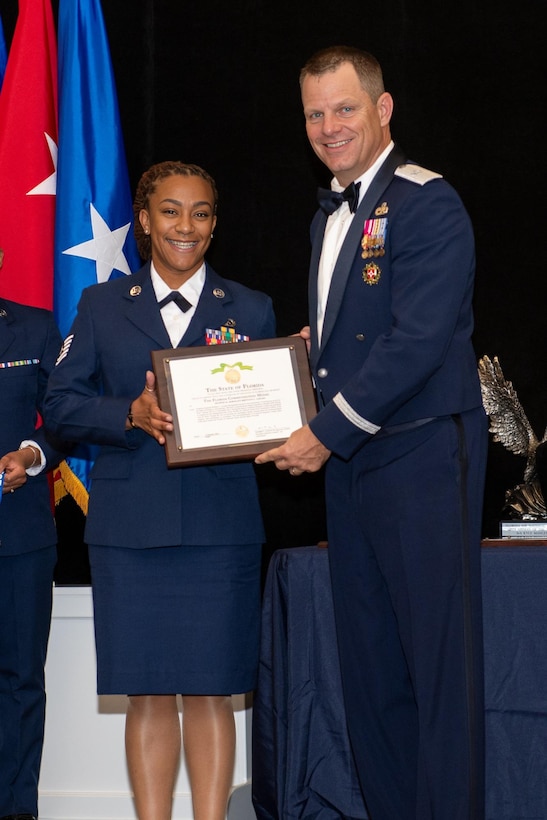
x,y
217,84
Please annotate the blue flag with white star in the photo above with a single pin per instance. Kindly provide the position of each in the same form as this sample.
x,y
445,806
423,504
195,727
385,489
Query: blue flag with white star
x,y
3,54
94,239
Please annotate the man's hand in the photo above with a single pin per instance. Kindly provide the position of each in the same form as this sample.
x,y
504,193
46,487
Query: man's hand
x,y
301,453
305,334
146,412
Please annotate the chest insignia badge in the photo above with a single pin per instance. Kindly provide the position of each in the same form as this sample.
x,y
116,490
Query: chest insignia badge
x,y
371,273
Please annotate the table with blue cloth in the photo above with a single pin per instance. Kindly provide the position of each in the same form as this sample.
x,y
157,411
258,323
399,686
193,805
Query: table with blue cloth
x,y
302,766
514,582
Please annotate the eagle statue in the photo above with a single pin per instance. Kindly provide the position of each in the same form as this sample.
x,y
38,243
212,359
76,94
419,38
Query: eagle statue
x,y
509,425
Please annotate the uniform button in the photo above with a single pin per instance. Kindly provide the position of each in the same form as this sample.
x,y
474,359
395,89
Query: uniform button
x,y
360,337
322,372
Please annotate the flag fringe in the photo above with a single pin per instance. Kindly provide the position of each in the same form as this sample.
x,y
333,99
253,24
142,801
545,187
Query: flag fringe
x,y
66,483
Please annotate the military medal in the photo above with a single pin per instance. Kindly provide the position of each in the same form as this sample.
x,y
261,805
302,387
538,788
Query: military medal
x,y
374,237
371,273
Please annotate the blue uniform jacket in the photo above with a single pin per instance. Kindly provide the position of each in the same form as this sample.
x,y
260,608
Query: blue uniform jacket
x,y
29,346
135,500
396,341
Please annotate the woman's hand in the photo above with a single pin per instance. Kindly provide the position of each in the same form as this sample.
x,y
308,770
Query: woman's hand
x,y
145,412
14,466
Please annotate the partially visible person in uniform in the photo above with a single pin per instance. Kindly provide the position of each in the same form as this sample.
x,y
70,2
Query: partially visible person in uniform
x,y
29,345
403,434
175,553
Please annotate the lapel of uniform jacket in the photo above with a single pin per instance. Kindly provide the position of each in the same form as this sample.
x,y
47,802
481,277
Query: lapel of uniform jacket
x,y
6,333
352,241
141,308
212,310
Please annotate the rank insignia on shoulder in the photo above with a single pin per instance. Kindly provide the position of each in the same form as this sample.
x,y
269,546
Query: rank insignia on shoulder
x,y
65,347
417,174
371,273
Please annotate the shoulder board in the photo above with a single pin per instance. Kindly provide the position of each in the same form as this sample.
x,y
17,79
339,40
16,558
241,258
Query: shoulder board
x,y
417,174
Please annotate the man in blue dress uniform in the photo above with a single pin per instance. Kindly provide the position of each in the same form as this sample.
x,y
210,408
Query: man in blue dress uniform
x,y
403,435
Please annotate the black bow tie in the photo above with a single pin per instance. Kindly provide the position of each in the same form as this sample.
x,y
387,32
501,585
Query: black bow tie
x,y
330,201
178,298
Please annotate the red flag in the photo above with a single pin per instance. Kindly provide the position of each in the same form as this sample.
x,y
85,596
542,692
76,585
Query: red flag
x,y
28,157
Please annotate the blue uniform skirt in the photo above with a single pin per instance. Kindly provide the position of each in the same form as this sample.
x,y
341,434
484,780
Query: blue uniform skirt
x,y
176,620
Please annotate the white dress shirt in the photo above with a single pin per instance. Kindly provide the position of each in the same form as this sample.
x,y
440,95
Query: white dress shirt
x,y
335,232
176,322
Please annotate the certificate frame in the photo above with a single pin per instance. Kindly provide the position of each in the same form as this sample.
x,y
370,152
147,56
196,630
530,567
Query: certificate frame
x,y
172,368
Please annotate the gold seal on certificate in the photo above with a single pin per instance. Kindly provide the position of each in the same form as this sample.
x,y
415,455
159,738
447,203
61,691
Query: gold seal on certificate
x,y
232,402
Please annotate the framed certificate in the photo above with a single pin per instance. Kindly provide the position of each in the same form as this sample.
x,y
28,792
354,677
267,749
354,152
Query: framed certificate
x,y
231,402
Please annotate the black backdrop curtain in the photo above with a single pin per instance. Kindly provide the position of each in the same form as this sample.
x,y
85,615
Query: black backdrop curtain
x,y
216,83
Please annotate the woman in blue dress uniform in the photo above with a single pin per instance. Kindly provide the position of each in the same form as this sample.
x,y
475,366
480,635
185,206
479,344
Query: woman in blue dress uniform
x,y
174,553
